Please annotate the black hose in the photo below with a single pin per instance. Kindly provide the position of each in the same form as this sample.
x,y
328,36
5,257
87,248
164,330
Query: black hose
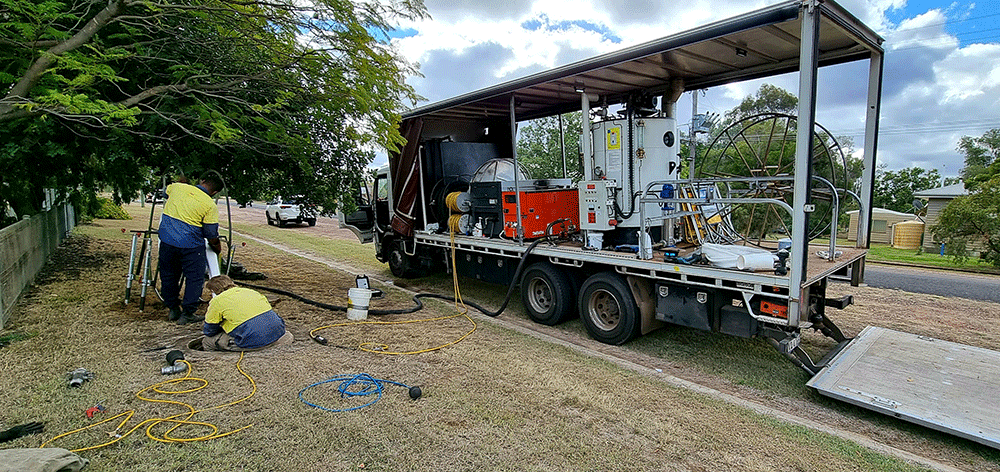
x,y
416,298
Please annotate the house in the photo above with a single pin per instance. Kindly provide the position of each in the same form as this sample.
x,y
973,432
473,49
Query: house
x,y
937,199
882,222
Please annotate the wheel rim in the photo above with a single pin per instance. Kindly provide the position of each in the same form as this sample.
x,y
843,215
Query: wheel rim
x,y
603,310
540,295
395,261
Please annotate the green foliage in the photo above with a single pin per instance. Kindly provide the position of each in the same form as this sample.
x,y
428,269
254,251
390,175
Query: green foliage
x,y
974,220
894,189
768,99
539,151
982,157
971,219
109,210
279,96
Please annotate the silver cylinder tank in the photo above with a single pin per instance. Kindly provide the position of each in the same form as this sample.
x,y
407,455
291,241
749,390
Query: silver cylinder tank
x,y
654,157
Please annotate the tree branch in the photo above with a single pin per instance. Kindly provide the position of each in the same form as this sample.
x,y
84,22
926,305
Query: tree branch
x,y
19,93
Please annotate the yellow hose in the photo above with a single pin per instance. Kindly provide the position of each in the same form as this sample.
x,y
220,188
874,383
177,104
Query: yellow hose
x,y
152,422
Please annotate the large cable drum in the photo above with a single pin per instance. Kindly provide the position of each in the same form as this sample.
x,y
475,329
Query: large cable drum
x,y
762,148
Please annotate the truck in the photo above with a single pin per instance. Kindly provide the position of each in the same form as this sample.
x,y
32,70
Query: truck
x,y
739,238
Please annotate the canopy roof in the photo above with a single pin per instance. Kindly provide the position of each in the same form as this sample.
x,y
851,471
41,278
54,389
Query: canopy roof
x,y
758,44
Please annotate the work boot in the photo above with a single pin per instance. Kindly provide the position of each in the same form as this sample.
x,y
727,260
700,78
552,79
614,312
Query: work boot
x,y
189,317
175,314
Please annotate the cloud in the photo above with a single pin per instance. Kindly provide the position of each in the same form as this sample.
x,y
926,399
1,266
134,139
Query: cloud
x,y
937,86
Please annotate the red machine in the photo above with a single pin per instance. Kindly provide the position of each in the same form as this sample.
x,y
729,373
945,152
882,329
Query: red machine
x,y
539,208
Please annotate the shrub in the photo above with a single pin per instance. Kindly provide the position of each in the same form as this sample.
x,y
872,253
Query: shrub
x,y
107,209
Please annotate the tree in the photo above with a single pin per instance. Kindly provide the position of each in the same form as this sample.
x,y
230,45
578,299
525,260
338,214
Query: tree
x,y
894,189
278,95
768,99
539,151
982,157
972,218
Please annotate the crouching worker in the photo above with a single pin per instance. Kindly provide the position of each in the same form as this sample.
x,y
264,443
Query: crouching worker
x,y
240,319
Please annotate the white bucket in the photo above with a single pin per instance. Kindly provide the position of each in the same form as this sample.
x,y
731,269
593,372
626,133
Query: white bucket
x,y
595,239
357,309
756,261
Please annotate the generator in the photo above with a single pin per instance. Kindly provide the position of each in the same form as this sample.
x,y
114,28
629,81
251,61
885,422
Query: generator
x,y
539,208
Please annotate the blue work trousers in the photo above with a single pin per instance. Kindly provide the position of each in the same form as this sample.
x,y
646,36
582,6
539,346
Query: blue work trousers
x,y
175,261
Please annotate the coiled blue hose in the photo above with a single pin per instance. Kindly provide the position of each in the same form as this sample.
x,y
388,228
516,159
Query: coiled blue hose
x,y
358,385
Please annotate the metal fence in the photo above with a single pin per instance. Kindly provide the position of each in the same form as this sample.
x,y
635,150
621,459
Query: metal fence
x,y
24,248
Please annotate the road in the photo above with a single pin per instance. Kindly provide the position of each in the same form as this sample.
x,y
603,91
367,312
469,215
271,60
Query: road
x,y
935,282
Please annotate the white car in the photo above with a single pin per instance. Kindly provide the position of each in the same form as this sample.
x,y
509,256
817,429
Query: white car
x,y
290,210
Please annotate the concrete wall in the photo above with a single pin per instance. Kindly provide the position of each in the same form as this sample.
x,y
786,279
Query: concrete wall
x,y
24,248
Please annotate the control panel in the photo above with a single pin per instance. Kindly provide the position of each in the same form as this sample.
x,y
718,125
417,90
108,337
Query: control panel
x,y
596,210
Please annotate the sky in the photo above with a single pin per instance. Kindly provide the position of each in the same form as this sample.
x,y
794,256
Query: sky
x,y
941,78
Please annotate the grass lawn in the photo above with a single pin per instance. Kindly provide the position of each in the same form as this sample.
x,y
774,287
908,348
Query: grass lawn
x,y
498,400
886,253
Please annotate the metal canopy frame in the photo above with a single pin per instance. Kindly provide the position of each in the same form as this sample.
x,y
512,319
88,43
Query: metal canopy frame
x,y
796,35
758,44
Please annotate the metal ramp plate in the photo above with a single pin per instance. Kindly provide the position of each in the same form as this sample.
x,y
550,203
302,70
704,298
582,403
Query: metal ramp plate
x,y
943,385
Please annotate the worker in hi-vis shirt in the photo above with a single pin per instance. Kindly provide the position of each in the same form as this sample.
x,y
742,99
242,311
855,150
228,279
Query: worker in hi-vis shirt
x,y
240,319
190,216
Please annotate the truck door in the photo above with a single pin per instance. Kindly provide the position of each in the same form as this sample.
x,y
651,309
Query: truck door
x,y
362,221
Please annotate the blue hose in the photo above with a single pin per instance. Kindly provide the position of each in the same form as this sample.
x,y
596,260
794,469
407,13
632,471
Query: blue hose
x,y
358,385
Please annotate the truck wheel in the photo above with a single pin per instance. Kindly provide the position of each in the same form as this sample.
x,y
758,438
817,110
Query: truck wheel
x,y
401,264
270,222
608,310
311,221
281,223
547,294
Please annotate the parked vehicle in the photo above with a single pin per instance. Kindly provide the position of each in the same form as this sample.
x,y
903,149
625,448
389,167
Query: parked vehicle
x,y
637,245
158,196
281,212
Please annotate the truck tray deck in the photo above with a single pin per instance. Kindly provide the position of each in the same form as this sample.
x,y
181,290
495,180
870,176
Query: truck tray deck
x,y
943,385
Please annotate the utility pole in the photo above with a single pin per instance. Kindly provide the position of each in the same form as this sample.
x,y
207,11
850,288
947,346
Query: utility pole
x,y
693,147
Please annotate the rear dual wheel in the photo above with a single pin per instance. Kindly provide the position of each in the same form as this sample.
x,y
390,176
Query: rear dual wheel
x,y
608,310
547,294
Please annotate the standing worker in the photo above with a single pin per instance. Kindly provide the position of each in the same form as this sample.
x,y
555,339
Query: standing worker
x,y
190,216
240,319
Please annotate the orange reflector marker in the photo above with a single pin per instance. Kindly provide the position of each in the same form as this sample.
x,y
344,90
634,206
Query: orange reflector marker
x,y
774,309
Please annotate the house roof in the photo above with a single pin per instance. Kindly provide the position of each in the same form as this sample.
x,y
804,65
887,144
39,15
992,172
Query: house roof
x,y
949,191
886,212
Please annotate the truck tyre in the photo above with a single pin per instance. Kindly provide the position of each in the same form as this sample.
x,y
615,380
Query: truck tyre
x,y
547,294
270,222
311,221
608,310
401,264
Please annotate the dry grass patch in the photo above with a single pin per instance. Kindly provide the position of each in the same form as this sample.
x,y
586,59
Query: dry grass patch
x,y
497,401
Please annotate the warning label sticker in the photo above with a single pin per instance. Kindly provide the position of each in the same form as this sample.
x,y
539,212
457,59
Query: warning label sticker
x,y
614,138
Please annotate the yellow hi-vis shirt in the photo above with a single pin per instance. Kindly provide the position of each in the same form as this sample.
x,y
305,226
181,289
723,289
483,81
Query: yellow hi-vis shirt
x,y
189,217
236,306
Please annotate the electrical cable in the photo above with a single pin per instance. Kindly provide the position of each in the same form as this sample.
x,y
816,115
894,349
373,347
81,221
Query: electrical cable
x,y
460,305
150,423
418,305
359,385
